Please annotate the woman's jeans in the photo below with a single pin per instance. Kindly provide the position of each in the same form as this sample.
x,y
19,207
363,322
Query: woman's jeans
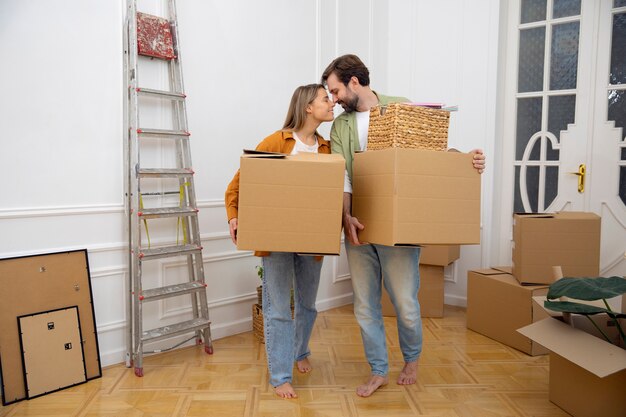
x,y
399,266
287,340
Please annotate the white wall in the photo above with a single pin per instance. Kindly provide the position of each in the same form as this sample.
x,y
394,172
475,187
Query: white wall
x,y
61,183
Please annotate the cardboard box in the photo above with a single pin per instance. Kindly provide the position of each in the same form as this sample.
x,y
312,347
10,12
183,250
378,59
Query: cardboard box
x,y
587,374
498,305
430,294
442,255
415,197
568,239
291,203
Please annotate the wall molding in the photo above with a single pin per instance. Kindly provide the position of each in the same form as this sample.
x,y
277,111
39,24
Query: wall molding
x,y
211,203
55,211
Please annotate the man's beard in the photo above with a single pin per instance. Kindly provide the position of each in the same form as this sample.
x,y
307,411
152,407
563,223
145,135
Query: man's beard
x,y
350,105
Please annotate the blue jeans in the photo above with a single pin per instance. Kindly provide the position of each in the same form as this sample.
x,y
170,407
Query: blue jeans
x,y
400,268
287,340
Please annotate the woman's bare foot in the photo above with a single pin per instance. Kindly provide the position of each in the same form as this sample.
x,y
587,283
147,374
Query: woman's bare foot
x,y
285,391
408,375
304,366
372,384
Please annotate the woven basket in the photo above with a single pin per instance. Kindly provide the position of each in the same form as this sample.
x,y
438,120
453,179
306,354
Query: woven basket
x,y
401,125
257,322
259,295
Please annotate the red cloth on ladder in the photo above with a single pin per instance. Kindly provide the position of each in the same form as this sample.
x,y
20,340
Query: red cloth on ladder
x,y
154,37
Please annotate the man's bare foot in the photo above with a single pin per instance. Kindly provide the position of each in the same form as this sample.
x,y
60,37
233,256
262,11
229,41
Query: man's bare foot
x,y
304,366
285,391
408,375
372,384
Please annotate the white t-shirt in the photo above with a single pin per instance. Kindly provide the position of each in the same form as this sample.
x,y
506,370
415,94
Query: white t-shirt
x,y
362,126
303,147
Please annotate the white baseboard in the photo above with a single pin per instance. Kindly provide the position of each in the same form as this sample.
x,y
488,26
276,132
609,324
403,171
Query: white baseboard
x,y
455,300
117,356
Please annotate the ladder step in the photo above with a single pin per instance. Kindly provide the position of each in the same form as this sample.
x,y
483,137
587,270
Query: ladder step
x,y
172,291
161,212
174,134
169,251
175,329
165,172
161,93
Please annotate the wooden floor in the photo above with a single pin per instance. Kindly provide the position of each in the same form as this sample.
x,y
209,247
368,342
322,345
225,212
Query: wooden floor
x,y
461,373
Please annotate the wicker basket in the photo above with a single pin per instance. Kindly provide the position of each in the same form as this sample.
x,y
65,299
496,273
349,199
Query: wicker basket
x,y
259,295
401,125
257,322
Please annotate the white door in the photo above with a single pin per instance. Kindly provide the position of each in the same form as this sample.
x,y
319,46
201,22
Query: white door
x,y
564,121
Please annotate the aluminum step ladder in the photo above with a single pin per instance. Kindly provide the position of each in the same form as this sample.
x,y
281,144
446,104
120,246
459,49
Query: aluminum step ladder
x,y
155,39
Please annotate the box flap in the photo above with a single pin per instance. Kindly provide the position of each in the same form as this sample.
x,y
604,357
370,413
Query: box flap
x,y
589,352
595,303
487,271
505,269
253,153
533,215
538,303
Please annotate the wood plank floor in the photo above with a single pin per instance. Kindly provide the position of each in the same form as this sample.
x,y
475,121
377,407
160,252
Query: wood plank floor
x,y
461,373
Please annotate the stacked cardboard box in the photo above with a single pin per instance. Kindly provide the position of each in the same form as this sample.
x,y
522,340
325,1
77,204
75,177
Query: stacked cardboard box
x,y
433,260
567,239
499,300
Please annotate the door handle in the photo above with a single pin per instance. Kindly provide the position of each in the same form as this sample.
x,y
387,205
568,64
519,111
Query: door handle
x,y
581,177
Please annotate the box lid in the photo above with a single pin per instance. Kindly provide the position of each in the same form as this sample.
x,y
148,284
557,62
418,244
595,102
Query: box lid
x,y
589,352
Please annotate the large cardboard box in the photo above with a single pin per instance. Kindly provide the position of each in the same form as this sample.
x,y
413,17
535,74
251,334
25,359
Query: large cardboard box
x,y
568,239
587,374
498,305
415,197
430,294
291,203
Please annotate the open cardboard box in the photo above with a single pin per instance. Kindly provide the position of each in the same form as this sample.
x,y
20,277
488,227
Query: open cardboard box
x,y
587,373
290,203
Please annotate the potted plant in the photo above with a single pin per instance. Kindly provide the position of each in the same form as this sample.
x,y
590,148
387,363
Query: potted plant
x,y
259,289
588,289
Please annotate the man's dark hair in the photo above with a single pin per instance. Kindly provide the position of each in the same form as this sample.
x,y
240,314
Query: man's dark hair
x,y
346,67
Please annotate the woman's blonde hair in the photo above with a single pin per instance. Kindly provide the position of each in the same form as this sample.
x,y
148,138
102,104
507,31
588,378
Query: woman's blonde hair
x,y
302,97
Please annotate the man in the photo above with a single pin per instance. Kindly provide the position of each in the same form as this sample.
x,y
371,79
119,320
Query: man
x,y
347,79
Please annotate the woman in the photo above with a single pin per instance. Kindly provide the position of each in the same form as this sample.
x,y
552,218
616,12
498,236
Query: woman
x,y
287,340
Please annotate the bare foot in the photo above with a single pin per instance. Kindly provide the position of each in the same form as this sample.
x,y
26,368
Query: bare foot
x,y
285,391
304,366
408,375
372,384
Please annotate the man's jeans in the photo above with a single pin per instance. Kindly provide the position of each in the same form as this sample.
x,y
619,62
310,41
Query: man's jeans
x,y
287,340
400,268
